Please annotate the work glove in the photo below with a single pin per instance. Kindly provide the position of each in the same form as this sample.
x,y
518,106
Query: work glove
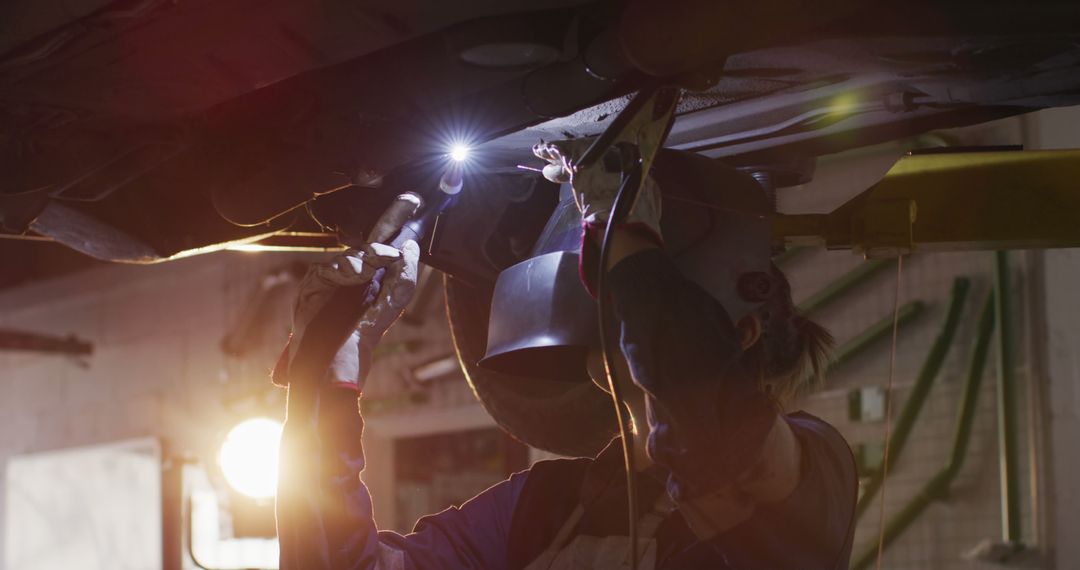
x,y
349,303
595,188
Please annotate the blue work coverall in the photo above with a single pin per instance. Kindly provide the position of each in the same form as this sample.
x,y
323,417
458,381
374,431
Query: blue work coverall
x,y
671,330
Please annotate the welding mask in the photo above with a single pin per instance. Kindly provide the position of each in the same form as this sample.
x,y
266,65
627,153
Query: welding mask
x,y
542,324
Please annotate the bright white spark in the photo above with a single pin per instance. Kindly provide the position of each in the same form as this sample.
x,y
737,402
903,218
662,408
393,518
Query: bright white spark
x,y
459,152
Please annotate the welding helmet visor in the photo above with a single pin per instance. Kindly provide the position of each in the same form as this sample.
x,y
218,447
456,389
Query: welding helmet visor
x,y
715,224
542,324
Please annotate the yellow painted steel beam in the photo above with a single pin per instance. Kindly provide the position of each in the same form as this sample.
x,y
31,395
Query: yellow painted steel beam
x,y
953,201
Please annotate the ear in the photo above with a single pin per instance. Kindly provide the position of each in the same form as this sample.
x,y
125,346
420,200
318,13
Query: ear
x,y
749,330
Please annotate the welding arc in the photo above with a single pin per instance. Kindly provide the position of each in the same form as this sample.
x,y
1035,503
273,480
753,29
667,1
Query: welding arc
x,y
624,199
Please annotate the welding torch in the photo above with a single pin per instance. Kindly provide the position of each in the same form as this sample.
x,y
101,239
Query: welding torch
x,y
421,215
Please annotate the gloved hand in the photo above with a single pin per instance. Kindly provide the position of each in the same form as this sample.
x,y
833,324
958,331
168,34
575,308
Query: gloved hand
x,y
349,303
595,188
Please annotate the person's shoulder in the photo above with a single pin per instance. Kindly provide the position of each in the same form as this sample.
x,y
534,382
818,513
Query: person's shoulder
x,y
557,467
821,440
545,474
549,491
805,423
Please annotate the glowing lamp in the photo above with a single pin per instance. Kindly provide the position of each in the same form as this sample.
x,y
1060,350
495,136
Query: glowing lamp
x,y
249,457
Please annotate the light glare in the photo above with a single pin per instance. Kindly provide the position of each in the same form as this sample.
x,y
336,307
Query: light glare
x,y
459,152
249,457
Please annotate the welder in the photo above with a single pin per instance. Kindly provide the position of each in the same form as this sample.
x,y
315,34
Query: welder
x,y
713,351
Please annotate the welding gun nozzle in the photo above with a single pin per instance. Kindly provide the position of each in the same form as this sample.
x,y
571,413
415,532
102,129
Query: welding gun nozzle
x,y
452,180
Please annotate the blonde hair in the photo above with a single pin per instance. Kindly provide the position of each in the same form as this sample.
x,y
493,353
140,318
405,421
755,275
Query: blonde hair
x,y
793,351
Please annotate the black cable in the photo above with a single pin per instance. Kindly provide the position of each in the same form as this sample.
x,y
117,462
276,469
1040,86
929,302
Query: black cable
x,y
624,200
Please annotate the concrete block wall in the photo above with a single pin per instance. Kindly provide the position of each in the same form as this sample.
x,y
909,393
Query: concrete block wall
x,y
157,369
1056,341
1045,283
948,529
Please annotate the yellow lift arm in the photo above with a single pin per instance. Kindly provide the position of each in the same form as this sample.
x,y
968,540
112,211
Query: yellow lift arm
x,y
952,201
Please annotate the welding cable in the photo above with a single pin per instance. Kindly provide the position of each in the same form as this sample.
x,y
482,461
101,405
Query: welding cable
x,y
888,414
624,199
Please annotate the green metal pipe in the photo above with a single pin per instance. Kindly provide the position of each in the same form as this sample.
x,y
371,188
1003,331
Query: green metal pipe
x,y
1006,400
939,485
972,384
925,380
873,334
935,488
834,290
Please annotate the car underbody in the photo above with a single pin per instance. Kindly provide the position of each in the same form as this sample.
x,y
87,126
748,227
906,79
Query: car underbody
x,y
142,131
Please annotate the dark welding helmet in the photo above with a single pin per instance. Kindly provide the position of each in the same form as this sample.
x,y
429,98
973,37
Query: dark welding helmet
x,y
542,324
543,321
715,224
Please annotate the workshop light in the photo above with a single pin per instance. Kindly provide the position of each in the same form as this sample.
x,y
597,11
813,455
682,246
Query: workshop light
x,y
249,457
459,152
